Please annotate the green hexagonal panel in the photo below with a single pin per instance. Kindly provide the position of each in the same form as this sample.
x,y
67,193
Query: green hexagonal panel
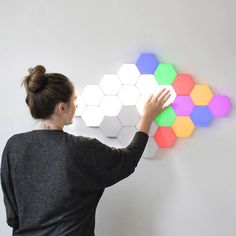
x,y
165,74
166,118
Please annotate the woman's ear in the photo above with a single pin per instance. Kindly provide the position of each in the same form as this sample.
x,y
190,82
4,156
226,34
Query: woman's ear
x,y
60,107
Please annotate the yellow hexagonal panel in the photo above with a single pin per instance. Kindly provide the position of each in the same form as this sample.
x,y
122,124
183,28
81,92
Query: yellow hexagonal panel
x,y
201,94
183,126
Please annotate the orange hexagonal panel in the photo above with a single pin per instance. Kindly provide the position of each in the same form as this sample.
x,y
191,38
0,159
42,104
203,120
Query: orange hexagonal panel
x,y
183,126
201,94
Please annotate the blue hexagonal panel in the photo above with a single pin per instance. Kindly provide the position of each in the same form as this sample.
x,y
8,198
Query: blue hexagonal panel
x,y
201,116
147,63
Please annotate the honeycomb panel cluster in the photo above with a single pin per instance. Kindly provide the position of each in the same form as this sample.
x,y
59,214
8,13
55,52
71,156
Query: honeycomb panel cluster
x,y
116,104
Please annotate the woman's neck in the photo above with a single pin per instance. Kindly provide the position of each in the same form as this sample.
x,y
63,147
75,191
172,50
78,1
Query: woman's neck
x,y
48,124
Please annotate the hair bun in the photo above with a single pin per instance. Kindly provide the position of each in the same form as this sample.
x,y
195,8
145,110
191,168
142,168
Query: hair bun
x,y
37,79
39,70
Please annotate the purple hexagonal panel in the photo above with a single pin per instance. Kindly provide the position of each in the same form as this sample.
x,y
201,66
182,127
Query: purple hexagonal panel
x,y
183,105
219,105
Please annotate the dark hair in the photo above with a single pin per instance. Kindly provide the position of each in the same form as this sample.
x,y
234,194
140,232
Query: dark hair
x,y
45,90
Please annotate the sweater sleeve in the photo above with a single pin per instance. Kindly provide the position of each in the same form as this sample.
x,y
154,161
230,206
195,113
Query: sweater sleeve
x,y
7,188
109,165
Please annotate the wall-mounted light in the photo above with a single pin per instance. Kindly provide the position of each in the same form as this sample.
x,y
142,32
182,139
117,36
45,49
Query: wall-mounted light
x,y
201,116
183,126
117,103
201,94
110,84
219,105
128,73
128,95
183,105
183,84
147,63
92,116
92,95
165,137
110,105
165,74
110,126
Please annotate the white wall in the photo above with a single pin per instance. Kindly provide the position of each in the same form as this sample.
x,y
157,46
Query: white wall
x,y
187,190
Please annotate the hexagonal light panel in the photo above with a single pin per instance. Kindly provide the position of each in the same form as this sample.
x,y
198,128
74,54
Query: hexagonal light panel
x,y
166,118
110,105
183,84
143,98
219,105
140,103
192,105
183,105
201,116
128,73
183,126
165,74
92,116
147,85
110,126
172,93
128,115
165,137
92,95
128,95
147,63
150,149
110,84
80,106
201,94
126,135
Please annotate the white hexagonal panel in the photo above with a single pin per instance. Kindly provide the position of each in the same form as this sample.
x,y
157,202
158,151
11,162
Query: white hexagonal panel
x,y
126,135
92,116
128,73
172,92
128,95
110,105
110,84
150,149
147,84
140,103
129,115
92,95
110,126
80,106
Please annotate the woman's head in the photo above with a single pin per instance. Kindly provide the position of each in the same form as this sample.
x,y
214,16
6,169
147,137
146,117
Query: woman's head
x,y
49,94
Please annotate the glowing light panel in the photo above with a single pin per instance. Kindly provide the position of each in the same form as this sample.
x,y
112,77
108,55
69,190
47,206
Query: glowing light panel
x,y
147,63
201,116
219,105
128,73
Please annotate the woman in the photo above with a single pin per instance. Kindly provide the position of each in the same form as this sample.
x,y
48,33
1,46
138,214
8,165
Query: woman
x,y
52,181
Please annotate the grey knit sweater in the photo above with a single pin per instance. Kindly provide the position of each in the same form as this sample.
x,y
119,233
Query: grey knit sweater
x,y
52,181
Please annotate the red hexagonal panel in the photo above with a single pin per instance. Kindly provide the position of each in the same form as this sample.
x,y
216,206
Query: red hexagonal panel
x,y
183,84
165,137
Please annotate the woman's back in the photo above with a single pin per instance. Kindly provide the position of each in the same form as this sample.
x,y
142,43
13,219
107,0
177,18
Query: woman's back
x,y
54,180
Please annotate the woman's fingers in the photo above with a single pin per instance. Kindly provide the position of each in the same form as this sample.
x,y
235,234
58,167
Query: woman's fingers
x,y
165,107
164,96
163,101
150,98
156,97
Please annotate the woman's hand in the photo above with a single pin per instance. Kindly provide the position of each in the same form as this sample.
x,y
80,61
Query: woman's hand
x,y
152,108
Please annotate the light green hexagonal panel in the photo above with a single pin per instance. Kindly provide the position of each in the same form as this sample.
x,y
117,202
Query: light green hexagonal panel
x,y
165,74
166,118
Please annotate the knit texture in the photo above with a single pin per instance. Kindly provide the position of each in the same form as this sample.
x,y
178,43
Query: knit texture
x,y
52,181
